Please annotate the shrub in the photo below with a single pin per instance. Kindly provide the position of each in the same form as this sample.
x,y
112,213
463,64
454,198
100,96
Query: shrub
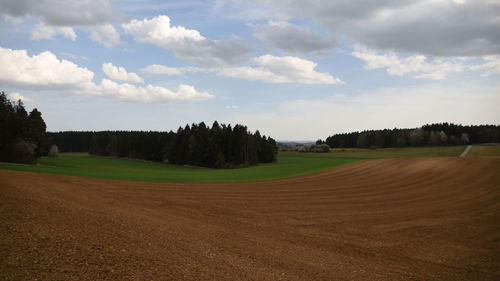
x,y
53,151
23,151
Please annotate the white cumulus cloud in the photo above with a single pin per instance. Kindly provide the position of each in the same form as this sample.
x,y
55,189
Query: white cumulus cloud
x,y
106,35
186,44
420,65
43,31
147,94
120,73
43,70
46,72
159,69
286,69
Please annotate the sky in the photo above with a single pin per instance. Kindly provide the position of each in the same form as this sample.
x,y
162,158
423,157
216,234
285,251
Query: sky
x,y
292,69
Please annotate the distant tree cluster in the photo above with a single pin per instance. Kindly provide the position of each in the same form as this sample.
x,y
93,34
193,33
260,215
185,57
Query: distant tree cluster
x,y
318,147
22,136
220,146
71,141
433,134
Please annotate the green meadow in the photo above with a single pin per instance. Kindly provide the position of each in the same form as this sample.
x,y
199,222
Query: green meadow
x,y
484,151
289,164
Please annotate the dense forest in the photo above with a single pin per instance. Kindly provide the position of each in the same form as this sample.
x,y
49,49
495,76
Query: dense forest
x,y
433,134
220,146
22,135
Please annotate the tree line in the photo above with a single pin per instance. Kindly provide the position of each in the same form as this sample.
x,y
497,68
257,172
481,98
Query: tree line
x,y
219,146
22,136
430,134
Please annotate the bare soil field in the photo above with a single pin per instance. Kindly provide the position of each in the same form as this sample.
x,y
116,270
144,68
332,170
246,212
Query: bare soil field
x,y
386,219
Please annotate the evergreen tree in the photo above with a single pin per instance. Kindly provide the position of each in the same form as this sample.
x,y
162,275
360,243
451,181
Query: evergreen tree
x,y
221,146
6,139
37,132
430,134
23,138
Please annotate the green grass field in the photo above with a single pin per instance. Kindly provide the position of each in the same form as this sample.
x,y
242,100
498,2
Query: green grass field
x,y
289,164
484,151
79,164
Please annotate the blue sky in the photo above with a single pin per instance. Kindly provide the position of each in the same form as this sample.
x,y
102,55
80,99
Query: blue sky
x,y
295,69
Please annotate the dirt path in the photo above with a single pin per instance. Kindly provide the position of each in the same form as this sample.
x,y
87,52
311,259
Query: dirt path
x,y
466,151
391,219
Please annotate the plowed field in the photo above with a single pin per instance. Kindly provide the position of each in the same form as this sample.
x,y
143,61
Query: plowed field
x,y
387,219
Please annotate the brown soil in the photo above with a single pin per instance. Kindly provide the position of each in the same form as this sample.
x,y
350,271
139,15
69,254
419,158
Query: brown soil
x,y
391,219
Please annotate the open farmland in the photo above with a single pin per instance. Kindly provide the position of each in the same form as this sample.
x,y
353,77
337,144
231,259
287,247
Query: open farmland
x,y
385,219
289,164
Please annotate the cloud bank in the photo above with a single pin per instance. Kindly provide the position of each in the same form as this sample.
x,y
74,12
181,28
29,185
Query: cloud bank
x,y
46,72
427,27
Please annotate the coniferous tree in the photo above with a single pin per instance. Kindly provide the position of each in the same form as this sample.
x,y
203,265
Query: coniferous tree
x,y
37,132
221,146
23,138
430,134
6,139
